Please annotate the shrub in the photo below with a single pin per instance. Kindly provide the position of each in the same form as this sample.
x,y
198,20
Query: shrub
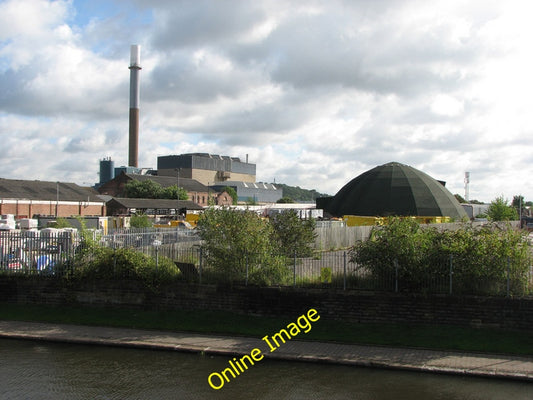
x,y
108,264
482,258
235,240
292,234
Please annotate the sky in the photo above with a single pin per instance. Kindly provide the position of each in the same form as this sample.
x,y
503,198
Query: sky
x,y
312,92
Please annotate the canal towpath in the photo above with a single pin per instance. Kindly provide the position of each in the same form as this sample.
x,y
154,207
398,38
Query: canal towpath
x,y
411,359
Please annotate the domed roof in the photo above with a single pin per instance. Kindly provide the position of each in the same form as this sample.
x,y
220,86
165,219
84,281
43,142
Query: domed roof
x,y
395,189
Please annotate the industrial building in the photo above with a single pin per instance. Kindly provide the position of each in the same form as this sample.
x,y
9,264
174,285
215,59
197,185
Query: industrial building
x,y
197,192
393,189
123,206
26,199
208,169
256,192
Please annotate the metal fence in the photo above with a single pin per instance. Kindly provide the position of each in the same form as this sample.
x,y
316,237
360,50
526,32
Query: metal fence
x,y
54,254
335,270
40,252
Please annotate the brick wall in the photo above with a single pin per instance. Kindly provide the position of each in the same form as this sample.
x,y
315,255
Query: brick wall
x,y
343,305
29,208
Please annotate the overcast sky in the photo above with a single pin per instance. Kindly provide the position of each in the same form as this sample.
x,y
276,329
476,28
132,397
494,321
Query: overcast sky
x,y
314,92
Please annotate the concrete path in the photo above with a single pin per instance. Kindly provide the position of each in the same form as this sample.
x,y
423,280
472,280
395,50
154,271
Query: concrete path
x,y
452,362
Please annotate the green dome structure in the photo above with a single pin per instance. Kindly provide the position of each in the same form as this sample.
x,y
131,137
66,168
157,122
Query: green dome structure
x,y
394,189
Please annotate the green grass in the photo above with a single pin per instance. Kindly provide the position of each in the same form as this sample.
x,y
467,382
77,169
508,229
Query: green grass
x,y
219,322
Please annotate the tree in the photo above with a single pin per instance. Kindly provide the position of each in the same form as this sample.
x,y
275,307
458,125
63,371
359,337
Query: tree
x,y
482,258
292,234
140,221
285,200
147,189
229,190
174,192
499,210
518,204
60,223
237,244
298,194
518,201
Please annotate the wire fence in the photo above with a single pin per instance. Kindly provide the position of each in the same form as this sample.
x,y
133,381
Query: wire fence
x,y
54,254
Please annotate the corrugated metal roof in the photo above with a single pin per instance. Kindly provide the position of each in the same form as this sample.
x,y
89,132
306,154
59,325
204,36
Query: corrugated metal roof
x,y
242,184
45,190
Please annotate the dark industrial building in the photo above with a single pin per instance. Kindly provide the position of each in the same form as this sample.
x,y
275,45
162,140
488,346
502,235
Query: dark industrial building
x,y
393,189
124,206
206,168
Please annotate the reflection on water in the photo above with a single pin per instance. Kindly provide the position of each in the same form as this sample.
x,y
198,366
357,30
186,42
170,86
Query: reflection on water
x,y
37,370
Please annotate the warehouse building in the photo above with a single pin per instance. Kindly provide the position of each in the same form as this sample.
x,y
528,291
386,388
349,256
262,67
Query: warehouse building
x,y
26,199
207,169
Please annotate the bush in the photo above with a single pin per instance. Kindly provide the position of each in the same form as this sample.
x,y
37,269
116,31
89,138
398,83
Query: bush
x,y
140,221
499,210
293,235
481,257
237,242
108,264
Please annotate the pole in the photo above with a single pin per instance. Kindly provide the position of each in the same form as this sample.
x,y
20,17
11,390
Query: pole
x,y
200,267
246,259
451,273
294,270
395,275
508,274
344,279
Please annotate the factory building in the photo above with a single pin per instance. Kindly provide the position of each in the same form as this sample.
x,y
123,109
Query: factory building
x,y
257,192
26,199
197,192
208,169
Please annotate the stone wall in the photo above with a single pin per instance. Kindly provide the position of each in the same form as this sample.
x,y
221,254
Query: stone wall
x,y
352,306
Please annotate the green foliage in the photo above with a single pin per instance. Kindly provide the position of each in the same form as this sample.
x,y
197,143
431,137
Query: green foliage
x,y
460,198
108,264
149,189
60,223
229,190
499,210
285,200
236,239
292,234
518,201
298,194
140,221
88,243
481,258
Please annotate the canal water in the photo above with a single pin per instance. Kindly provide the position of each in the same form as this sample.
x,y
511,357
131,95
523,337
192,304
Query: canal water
x,y
39,370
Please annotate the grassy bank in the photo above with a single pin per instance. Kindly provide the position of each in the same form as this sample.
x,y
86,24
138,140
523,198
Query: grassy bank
x,y
435,337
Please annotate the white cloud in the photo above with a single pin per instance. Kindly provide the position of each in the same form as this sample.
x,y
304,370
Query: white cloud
x,y
315,93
